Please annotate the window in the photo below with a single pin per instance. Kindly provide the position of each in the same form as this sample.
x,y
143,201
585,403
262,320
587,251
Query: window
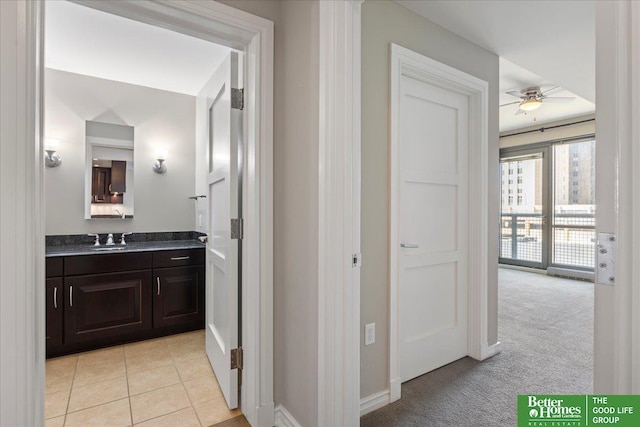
x,y
519,200
519,180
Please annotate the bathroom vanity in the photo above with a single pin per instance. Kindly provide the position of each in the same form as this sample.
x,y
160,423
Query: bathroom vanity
x,y
101,296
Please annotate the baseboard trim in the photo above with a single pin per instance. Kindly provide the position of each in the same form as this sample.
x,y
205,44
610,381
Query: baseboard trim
x,y
283,418
265,415
491,350
395,389
375,401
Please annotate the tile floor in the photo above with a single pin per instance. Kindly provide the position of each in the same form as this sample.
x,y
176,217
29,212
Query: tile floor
x,y
162,382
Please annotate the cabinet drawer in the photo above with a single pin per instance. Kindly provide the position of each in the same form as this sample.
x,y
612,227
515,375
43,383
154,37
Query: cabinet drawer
x,y
54,267
106,263
178,258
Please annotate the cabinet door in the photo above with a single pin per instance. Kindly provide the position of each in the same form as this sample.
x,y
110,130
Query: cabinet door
x,y
105,305
118,177
54,306
101,179
178,297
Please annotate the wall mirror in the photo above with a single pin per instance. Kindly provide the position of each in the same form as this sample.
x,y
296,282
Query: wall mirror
x,y
109,184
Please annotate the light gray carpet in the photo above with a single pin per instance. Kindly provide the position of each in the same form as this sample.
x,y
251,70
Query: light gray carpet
x,y
546,329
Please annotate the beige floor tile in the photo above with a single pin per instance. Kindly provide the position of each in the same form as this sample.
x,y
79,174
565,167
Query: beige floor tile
x,y
55,387
214,411
183,418
196,367
152,379
92,373
147,362
182,339
55,422
144,348
202,389
101,356
60,369
113,414
97,393
188,351
55,404
158,402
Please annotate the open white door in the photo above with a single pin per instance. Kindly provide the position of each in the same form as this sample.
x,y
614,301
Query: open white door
x,y
223,198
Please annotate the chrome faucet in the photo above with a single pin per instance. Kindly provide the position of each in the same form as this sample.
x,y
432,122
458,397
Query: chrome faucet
x,y
110,240
119,213
122,242
97,241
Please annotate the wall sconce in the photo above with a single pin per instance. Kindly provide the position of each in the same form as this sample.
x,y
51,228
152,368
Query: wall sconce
x,y
51,158
159,166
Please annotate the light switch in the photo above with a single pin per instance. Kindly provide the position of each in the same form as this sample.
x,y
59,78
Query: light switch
x,y
606,259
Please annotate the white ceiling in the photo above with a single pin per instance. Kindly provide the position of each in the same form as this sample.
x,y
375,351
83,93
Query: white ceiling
x,y
82,40
546,43
514,78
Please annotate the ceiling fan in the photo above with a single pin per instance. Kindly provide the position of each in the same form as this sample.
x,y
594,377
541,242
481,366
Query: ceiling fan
x,y
532,98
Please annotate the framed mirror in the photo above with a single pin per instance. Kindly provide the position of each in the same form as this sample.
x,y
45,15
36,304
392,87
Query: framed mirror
x,y
109,178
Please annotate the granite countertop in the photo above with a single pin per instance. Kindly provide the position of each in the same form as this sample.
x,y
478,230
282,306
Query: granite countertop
x,y
88,249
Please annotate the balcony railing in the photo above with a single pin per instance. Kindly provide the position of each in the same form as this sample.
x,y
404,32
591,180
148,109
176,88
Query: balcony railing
x,y
573,239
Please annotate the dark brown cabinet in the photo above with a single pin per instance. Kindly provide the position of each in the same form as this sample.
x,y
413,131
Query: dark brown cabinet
x,y
54,311
99,300
179,296
106,305
118,177
108,183
54,302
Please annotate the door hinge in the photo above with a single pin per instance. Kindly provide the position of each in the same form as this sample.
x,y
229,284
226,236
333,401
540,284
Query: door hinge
x,y
237,99
357,260
237,228
236,358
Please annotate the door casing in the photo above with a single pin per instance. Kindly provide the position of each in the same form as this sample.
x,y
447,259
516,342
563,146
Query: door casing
x,y
255,37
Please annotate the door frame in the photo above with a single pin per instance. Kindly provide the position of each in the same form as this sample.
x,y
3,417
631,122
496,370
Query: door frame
x,y
255,37
415,65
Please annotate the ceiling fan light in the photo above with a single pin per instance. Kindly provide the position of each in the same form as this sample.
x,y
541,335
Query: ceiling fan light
x,y
530,104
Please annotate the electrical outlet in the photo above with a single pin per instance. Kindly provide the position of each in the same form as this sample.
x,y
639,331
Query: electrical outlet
x,y
369,333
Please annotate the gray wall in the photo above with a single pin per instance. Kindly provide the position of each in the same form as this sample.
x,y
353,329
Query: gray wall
x,y
385,22
162,120
295,203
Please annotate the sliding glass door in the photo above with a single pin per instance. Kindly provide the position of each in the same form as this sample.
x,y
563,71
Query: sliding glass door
x,y
523,231
574,206
553,181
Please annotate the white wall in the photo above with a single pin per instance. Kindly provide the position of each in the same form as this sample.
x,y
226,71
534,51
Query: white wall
x,y
162,121
385,22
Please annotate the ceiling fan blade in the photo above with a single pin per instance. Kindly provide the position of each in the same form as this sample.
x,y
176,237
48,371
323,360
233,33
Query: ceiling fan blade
x,y
559,99
510,103
514,93
520,112
550,90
